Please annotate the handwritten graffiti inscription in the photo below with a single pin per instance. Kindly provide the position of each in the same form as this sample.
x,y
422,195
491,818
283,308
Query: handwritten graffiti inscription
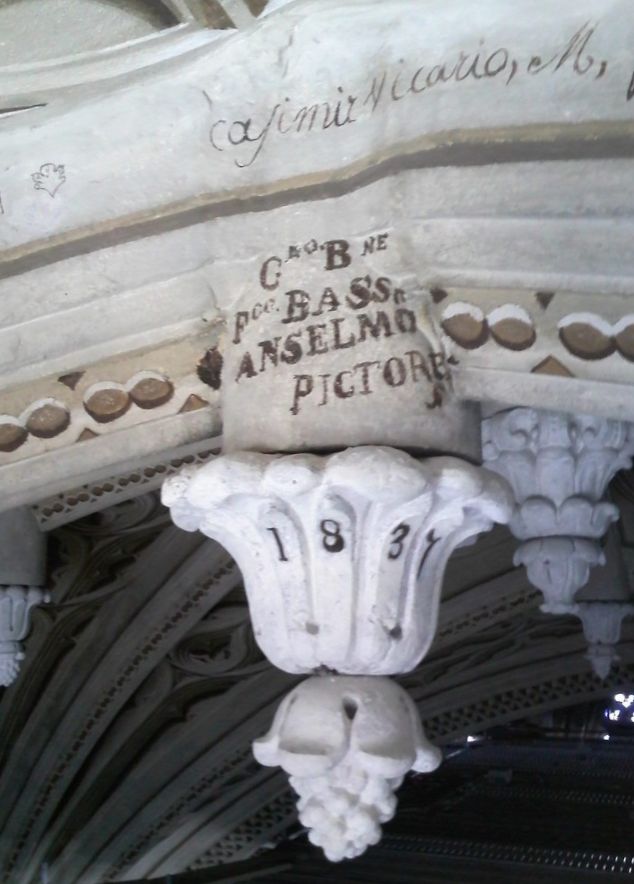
x,y
245,137
49,178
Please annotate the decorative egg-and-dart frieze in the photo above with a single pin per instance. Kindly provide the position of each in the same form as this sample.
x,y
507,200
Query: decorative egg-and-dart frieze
x,y
43,419
591,337
537,331
107,401
509,326
80,405
103,402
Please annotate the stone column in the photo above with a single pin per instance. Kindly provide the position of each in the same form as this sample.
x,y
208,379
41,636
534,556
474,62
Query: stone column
x,y
22,576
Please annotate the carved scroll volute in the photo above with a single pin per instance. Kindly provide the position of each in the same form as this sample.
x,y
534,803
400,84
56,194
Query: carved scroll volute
x,y
342,556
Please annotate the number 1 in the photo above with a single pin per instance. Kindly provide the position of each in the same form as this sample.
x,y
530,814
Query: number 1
x,y
278,540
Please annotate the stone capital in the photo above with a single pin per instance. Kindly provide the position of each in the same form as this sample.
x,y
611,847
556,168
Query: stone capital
x,y
342,556
559,466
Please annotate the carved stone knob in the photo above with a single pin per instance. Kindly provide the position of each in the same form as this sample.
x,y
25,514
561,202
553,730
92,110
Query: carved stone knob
x,y
347,743
602,629
342,556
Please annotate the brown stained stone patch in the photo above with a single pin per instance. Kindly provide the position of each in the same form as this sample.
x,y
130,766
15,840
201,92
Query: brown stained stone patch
x,y
86,435
151,392
48,420
513,334
551,365
71,380
193,403
438,294
586,342
11,436
625,342
107,405
209,368
544,299
256,6
466,330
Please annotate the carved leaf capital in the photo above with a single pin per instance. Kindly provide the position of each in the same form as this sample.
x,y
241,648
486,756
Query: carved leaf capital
x,y
342,556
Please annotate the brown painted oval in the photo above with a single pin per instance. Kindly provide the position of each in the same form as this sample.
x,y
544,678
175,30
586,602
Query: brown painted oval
x,y
513,334
585,341
466,330
151,392
625,342
12,436
108,404
48,420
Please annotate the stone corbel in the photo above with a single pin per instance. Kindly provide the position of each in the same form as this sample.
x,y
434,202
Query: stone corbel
x,y
342,556
559,466
343,559
602,628
16,603
602,605
22,575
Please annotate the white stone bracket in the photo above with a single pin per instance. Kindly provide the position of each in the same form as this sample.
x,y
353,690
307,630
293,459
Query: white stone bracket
x,y
342,556
559,466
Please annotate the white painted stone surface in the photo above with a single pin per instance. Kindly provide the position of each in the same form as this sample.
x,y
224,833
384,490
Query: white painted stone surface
x,y
346,743
540,67
34,32
342,556
137,247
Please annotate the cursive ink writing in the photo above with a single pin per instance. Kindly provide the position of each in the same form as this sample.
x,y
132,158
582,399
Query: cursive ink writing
x,y
249,136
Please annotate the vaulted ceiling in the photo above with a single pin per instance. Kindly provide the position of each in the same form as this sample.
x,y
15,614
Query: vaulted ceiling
x,y
125,743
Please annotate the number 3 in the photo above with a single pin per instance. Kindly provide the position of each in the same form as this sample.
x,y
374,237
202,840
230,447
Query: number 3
x,y
399,534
